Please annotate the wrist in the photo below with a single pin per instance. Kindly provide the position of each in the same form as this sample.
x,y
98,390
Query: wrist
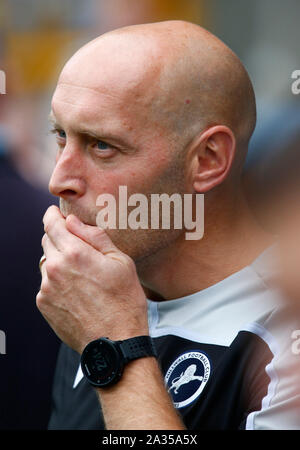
x,y
114,334
103,360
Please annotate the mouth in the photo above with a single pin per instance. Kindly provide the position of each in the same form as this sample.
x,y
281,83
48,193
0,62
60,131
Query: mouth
x,y
67,209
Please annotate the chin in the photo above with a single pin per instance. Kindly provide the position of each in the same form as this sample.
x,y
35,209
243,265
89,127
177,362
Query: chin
x,y
139,244
122,241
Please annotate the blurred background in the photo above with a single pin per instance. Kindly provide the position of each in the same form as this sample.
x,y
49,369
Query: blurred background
x,y
36,39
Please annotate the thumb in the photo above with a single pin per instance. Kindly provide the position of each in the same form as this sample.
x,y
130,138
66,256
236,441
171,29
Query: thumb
x,y
92,235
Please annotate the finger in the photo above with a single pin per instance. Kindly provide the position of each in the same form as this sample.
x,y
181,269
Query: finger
x,y
92,235
55,228
51,254
50,251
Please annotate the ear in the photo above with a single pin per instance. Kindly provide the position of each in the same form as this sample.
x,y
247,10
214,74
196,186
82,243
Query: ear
x,y
212,154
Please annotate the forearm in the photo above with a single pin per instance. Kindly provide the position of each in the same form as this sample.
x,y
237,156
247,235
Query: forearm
x,y
90,289
139,400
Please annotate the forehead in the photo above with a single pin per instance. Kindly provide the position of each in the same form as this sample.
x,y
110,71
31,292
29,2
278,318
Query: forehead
x,y
119,65
106,82
73,104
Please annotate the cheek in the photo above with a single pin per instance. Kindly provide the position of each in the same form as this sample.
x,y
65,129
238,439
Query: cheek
x,y
102,183
109,182
137,176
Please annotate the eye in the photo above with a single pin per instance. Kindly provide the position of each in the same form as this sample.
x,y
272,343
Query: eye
x,y
103,149
61,134
101,145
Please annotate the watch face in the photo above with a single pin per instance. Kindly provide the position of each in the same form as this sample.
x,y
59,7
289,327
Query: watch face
x,y
101,362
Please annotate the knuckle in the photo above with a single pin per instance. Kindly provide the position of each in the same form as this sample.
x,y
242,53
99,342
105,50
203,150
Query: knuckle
x,y
39,300
52,268
45,287
47,216
73,253
49,225
129,263
46,227
44,217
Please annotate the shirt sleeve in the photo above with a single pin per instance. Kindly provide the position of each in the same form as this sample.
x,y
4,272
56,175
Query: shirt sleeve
x,y
280,407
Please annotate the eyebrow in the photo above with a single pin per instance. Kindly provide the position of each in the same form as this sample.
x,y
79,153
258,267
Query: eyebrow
x,y
51,118
96,135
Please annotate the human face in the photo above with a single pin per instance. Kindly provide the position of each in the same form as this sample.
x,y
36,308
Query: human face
x,y
105,141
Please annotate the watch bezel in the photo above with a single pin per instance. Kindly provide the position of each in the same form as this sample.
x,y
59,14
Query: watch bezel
x,y
106,345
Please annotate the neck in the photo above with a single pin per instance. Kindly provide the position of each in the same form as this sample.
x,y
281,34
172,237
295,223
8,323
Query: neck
x,y
232,240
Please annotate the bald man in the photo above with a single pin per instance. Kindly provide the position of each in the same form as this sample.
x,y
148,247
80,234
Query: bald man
x,y
188,325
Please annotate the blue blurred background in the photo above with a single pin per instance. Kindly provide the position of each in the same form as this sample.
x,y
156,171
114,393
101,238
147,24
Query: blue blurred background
x,y
36,38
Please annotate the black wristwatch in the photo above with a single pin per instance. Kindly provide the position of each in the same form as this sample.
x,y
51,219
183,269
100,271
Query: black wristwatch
x,y
103,360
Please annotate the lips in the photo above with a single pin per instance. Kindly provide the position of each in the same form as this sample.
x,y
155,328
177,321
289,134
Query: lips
x,y
66,209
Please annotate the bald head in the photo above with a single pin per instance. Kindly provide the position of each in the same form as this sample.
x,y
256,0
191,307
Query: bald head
x,y
158,108
183,76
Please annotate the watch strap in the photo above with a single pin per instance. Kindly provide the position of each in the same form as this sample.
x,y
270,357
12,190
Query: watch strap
x,y
137,347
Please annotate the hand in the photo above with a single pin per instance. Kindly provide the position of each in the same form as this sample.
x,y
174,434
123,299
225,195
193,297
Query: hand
x,y
89,287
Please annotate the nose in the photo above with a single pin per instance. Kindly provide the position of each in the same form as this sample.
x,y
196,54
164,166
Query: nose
x,y
68,177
